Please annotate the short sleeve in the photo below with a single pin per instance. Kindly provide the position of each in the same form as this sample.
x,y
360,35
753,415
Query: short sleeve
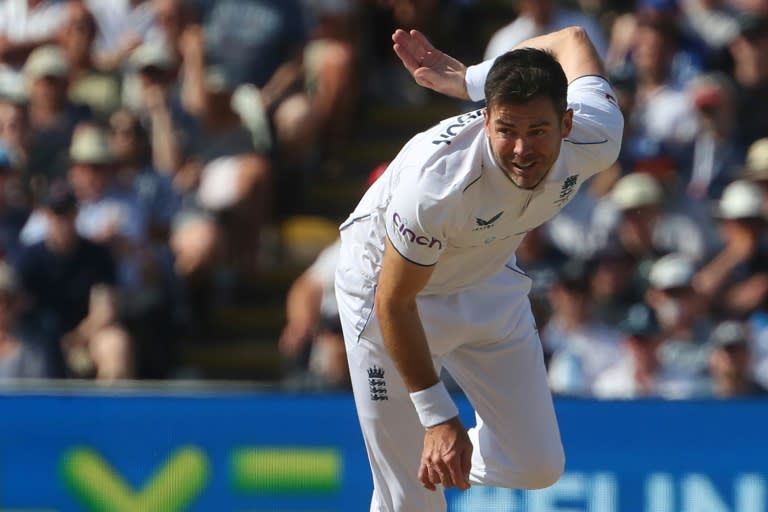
x,y
598,124
417,218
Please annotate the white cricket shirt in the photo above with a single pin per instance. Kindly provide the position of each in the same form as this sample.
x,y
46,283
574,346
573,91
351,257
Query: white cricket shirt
x,y
443,201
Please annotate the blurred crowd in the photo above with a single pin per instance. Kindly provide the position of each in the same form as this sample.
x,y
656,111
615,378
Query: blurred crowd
x,y
146,145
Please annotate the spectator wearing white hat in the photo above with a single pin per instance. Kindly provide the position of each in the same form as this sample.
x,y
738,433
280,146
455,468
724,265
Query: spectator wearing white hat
x,y
635,218
738,273
756,167
681,313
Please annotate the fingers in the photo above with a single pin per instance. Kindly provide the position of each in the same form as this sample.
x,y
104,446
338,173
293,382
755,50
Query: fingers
x,y
422,40
412,48
425,477
448,474
407,58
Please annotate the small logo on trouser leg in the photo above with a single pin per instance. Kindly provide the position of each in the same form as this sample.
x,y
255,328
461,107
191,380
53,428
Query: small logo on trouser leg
x,y
376,383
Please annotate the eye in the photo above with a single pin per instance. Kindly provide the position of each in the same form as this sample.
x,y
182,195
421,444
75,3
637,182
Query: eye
x,y
538,132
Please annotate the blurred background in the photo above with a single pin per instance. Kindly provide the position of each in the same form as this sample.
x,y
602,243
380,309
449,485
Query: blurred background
x,y
172,178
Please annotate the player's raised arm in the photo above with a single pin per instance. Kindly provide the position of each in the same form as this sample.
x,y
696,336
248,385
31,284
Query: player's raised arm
x,y
429,66
436,70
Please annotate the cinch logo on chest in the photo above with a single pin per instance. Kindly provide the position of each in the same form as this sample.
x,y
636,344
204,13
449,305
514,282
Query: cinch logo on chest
x,y
483,224
569,187
411,236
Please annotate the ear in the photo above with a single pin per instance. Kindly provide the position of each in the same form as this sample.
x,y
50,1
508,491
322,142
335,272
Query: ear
x,y
487,122
567,124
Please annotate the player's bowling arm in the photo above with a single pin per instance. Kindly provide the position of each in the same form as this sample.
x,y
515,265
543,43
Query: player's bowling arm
x,y
399,283
573,50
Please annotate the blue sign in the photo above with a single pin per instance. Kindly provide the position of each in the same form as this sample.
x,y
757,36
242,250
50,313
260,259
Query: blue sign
x,y
267,452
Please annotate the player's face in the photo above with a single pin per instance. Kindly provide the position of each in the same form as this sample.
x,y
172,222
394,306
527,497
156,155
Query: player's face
x,y
525,138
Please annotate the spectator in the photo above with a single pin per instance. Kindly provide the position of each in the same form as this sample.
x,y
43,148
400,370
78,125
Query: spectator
x,y
25,25
540,261
717,149
150,89
749,51
537,17
225,176
311,342
730,362
580,347
70,282
122,26
662,116
738,275
616,283
681,312
14,130
756,168
640,373
150,309
89,86
634,218
21,356
52,116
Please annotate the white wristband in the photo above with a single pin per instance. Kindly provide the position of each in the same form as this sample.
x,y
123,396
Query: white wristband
x,y
434,405
475,79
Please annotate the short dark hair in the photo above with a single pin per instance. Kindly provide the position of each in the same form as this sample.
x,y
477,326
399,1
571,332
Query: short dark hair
x,y
521,75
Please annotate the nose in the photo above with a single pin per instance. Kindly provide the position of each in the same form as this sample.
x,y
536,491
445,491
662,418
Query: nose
x,y
521,146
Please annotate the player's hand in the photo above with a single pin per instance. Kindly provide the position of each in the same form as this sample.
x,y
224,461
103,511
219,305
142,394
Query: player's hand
x,y
429,66
447,456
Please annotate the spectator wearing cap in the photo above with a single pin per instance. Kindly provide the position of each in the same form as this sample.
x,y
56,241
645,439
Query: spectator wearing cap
x,y
150,88
756,167
21,355
634,218
681,313
749,53
106,213
580,347
718,150
98,89
70,282
730,366
738,274
52,116
25,25
640,371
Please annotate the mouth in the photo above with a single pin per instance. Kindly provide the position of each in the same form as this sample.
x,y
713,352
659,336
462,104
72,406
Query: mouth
x,y
523,167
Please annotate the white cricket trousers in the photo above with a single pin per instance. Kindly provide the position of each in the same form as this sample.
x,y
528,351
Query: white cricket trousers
x,y
516,440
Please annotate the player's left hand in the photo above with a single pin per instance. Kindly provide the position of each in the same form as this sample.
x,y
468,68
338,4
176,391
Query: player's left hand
x,y
447,456
429,66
